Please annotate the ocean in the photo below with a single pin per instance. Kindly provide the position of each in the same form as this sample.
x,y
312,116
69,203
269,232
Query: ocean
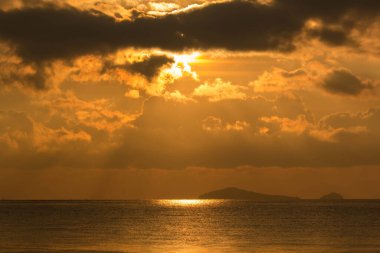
x,y
189,226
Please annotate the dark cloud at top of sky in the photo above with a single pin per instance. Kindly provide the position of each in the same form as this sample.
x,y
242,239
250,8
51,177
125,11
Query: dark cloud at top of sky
x,y
345,83
48,33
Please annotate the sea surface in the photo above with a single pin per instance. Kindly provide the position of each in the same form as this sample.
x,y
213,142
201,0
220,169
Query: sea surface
x,y
189,226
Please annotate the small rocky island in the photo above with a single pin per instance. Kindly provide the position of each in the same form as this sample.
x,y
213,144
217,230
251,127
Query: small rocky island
x,y
332,196
236,193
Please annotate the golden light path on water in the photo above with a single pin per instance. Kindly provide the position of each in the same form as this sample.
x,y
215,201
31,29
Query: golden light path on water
x,y
189,202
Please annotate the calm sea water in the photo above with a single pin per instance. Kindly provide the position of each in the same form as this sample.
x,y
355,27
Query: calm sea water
x,y
189,226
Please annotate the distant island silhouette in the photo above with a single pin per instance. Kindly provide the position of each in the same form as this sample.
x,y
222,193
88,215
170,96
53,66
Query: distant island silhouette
x,y
332,196
236,193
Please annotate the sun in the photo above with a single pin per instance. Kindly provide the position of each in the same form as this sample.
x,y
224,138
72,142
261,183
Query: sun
x,y
186,59
182,65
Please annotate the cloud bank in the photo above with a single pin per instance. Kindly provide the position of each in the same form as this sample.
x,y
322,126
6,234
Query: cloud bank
x,y
49,32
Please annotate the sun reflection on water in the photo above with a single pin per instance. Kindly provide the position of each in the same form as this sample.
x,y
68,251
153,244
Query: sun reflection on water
x,y
188,202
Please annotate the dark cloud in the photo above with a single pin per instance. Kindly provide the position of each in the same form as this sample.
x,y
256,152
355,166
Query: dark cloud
x,y
333,37
149,67
344,83
50,33
36,80
43,34
13,73
39,76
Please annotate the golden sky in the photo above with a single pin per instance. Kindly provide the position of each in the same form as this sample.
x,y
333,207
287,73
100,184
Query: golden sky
x,y
169,99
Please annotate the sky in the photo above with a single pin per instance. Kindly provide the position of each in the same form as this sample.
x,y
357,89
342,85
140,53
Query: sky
x,y
129,99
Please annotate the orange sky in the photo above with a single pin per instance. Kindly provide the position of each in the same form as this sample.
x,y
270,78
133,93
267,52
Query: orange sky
x,y
139,99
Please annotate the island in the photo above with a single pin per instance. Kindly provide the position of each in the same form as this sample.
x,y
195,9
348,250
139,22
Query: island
x,y
236,193
332,196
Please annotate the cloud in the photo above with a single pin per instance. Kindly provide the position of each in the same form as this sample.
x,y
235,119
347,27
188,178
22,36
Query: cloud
x,y
215,124
223,134
14,72
150,67
43,34
333,37
23,75
219,90
96,114
298,126
15,130
294,73
49,33
90,68
369,118
344,83
47,139
279,80
230,133
28,134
